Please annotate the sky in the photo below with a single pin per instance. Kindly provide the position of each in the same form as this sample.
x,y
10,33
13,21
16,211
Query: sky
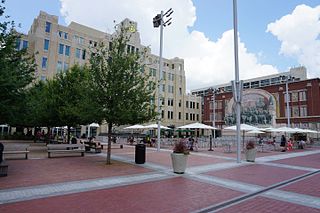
x,y
273,35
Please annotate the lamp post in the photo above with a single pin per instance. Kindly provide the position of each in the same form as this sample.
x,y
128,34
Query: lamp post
x,y
237,83
158,21
213,99
286,79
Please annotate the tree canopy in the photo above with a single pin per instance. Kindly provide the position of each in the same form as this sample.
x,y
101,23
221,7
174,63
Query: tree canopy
x,y
16,71
121,89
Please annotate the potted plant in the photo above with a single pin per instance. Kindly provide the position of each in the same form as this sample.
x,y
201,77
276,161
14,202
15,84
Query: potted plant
x,y
179,157
250,151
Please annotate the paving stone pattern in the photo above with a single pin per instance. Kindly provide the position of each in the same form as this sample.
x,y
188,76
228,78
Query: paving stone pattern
x,y
212,182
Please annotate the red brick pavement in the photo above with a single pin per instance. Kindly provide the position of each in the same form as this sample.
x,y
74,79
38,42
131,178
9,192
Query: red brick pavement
x,y
258,174
171,195
312,161
267,205
55,170
308,186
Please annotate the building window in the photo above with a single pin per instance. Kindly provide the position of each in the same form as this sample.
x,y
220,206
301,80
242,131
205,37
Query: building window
x,y
294,97
302,96
61,48
180,91
46,45
44,62
303,111
67,51
48,27
168,114
83,54
24,44
197,105
43,78
163,87
197,117
179,103
65,66
162,114
265,82
171,114
65,35
187,116
285,97
295,111
59,66
187,104
179,116
18,42
78,51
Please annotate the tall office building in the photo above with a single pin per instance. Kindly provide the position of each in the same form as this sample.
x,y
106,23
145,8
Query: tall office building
x,y
60,47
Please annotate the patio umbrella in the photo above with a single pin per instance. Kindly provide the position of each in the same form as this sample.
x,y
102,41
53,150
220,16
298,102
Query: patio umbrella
x,y
137,126
284,129
255,132
243,128
196,126
155,126
92,125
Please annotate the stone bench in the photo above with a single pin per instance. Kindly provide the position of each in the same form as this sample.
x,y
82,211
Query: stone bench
x,y
65,148
16,150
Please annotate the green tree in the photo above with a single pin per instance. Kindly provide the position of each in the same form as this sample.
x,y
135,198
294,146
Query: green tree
x,y
16,71
62,101
74,98
120,87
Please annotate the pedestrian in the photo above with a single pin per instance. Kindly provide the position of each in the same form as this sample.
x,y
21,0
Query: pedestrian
x,y
283,143
195,145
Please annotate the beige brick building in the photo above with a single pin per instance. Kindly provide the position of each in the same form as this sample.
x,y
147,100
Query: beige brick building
x,y
59,47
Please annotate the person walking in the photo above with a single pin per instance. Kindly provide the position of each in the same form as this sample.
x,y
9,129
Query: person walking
x,y
283,143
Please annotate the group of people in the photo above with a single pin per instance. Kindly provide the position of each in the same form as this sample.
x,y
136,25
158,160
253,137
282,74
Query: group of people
x,y
288,145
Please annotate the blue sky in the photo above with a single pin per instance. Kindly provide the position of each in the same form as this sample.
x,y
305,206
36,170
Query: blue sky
x,y
213,19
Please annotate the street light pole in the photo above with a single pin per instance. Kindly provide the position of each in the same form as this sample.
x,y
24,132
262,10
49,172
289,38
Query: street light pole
x,y
160,81
158,21
237,88
288,108
213,98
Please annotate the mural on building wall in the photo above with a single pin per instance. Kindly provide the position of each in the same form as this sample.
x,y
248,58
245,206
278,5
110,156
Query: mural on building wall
x,y
257,108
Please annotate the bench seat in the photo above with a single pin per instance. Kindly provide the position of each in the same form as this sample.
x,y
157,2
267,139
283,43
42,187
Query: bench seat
x,y
65,148
16,150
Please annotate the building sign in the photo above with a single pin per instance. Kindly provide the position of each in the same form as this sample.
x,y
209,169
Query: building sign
x,y
258,107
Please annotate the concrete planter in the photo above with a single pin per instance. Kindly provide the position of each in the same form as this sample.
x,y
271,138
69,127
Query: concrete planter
x,y
179,162
251,154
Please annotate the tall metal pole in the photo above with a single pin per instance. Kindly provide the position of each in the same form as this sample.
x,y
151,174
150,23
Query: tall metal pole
x,y
237,82
287,97
214,114
160,81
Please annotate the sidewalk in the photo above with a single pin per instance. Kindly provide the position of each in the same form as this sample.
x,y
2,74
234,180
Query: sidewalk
x,y
277,182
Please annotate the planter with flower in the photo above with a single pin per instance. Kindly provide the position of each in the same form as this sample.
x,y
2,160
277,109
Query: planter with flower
x,y
179,157
250,151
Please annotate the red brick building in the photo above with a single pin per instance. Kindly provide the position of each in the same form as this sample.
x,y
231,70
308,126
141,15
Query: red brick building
x,y
264,102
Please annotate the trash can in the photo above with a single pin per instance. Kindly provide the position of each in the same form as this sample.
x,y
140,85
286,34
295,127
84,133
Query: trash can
x,y
140,153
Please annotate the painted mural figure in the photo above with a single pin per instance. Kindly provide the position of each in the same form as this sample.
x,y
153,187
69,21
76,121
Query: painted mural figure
x,y
255,109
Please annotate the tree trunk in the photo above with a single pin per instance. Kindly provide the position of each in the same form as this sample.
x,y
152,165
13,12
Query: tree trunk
x,y
109,143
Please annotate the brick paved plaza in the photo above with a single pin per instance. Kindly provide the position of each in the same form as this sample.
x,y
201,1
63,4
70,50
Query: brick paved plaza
x,y
213,182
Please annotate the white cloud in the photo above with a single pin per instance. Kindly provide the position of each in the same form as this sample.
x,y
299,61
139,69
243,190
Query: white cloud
x,y
206,62
299,35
